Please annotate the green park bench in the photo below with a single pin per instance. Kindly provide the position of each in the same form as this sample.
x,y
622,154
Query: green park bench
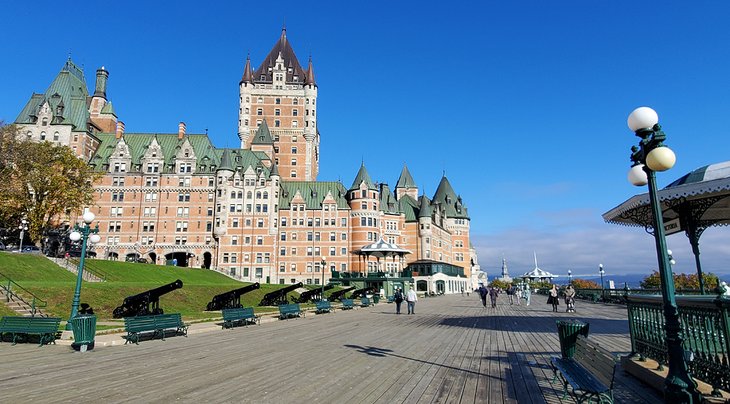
x,y
241,315
391,299
347,304
365,302
590,372
156,324
289,310
45,327
323,306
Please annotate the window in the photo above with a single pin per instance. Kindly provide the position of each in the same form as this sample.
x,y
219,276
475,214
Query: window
x,y
259,111
183,197
116,211
118,181
295,112
277,111
277,123
333,237
150,181
117,196
148,226
181,227
150,197
293,162
277,101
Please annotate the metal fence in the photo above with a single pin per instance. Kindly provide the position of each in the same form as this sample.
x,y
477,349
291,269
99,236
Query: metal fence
x,y
705,328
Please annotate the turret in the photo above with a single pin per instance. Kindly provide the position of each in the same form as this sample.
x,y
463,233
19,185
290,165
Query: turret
x,y
102,75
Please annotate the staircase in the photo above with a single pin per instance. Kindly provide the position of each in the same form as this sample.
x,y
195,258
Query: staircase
x,y
19,306
73,268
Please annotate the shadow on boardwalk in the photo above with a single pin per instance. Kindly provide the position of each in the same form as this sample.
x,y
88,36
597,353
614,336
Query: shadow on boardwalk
x,y
529,324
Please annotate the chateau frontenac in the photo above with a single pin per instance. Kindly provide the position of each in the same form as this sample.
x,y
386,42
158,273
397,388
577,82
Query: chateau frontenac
x,y
257,213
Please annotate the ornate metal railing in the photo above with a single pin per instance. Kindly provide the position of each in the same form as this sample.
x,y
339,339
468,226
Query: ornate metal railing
x,y
706,329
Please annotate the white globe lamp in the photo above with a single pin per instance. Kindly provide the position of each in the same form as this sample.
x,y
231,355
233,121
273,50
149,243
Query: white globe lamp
x,y
637,175
661,159
642,118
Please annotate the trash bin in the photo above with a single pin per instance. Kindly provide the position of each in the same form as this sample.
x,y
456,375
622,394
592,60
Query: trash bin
x,y
568,331
376,299
84,328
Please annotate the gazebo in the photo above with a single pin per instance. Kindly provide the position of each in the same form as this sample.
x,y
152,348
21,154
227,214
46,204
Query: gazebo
x,y
381,249
537,274
692,203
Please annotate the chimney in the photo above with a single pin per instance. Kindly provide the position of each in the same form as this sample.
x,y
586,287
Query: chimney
x,y
181,130
120,129
102,76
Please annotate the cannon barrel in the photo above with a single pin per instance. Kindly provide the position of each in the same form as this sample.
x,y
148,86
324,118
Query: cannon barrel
x,y
230,299
147,302
338,295
312,294
360,293
278,296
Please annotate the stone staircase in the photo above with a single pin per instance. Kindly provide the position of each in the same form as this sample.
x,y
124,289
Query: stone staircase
x,y
71,267
19,306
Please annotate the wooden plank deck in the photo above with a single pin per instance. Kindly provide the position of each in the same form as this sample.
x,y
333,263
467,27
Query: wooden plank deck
x,y
452,350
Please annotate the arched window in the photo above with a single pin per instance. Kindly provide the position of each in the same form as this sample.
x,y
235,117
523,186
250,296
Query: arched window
x,y
55,137
266,195
248,195
43,135
258,194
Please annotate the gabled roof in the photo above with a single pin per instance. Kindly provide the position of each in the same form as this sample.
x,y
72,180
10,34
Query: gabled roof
x,y
388,203
313,193
108,109
207,157
405,180
409,207
362,175
283,48
263,135
453,206
68,88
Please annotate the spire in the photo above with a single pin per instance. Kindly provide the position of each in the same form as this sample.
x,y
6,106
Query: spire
x,y
247,72
405,180
274,170
282,47
424,207
505,272
226,163
535,254
310,73
362,175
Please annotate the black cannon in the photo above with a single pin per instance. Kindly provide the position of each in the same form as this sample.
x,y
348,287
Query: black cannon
x,y
360,293
231,299
146,302
278,297
312,295
340,294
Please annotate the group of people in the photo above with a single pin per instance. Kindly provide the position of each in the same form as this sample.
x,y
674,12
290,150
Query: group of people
x,y
410,297
517,293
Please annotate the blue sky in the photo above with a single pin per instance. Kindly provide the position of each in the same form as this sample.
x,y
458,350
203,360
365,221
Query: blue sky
x,y
523,104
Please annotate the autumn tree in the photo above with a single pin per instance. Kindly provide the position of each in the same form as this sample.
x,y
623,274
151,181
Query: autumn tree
x,y
681,281
585,284
42,182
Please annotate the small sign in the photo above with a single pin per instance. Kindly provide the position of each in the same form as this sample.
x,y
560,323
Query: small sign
x,y
672,226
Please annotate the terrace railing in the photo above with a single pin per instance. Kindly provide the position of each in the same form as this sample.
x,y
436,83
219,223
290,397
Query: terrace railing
x,y
13,291
705,327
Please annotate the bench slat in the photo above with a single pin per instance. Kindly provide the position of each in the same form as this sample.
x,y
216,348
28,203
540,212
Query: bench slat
x,y
591,370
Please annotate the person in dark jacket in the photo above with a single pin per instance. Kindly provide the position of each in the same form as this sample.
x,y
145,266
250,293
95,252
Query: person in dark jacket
x,y
398,299
483,295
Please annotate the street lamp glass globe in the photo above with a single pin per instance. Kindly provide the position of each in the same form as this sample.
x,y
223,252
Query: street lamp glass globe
x,y
661,159
88,217
642,118
95,238
75,236
637,176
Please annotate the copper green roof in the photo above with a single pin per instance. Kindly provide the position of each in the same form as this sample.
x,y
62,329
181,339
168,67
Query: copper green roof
x,y
68,88
263,135
108,109
313,193
226,163
362,175
453,206
424,207
208,157
405,180
388,203
409,207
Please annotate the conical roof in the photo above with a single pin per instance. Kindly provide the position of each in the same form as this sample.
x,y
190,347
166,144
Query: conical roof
x,y
282,47
424,207
405,180
247,71
362,175
226,163
310,73
274,170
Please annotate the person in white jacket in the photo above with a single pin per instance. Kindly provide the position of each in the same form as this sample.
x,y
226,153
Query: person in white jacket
x,y
411,299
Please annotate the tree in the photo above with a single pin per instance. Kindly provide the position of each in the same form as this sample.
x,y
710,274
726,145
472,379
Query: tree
x,y
681,281
585,284
497,283
41,182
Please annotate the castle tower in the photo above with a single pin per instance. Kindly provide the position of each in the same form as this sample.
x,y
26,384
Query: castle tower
x,y
282,93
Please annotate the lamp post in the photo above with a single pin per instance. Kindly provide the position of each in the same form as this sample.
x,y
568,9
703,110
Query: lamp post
x,y
82,233
23,227
603,288
570,277
324,264
648,157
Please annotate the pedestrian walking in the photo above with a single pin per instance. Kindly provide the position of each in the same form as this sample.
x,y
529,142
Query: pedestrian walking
x,y
411,299
398,299
511,294
483,294
493,292
570,299
553,298
527,294
518,295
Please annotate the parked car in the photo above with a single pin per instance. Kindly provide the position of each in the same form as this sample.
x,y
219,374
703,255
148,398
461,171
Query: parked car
x,y
31,249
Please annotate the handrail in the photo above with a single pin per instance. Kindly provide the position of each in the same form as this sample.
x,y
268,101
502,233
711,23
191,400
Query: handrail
x,y
89,267
705,326
9,293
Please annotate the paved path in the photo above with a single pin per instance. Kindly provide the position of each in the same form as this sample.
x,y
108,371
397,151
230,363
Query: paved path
x,y
452,350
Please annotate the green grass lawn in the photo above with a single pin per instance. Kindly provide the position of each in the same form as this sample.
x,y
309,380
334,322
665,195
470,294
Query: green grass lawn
x,y
56,286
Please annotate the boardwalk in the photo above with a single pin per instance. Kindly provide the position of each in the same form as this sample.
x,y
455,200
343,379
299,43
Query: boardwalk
x,y
452,350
